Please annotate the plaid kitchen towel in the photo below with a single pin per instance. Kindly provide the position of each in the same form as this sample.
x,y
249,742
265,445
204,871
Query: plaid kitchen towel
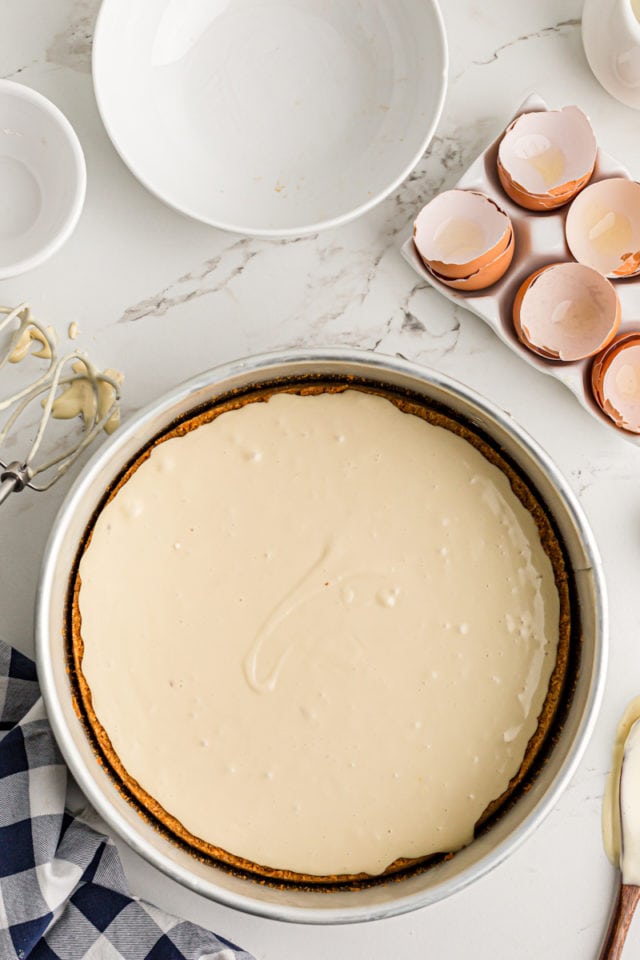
x,y
63,893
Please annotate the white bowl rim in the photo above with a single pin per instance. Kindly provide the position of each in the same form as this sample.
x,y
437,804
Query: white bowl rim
x,y
282,232
22,92
260,364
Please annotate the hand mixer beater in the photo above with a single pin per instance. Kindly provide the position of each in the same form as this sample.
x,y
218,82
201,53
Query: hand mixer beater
x,y
69,387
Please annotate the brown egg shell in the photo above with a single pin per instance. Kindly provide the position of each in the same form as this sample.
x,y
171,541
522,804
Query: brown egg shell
x,y
462,271
546,352
603,360
454,271
486,276
599,369
618,195
573,131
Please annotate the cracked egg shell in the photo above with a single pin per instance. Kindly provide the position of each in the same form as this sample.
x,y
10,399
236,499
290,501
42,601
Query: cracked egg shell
x,y
545,158
486,276
566,311
460,234
603,227
615,381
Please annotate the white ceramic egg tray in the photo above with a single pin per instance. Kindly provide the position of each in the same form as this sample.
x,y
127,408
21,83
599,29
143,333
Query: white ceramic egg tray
x,y
539,240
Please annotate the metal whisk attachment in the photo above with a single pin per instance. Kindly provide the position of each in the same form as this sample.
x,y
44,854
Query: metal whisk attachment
x,y
69,387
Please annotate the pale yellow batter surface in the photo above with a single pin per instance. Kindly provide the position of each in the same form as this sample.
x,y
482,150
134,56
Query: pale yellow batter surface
x,y
319,631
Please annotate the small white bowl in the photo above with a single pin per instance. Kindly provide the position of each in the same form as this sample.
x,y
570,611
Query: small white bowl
x,y
42,179
275,118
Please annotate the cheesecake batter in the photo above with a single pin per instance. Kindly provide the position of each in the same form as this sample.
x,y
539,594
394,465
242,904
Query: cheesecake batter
x,y
616,809
319,632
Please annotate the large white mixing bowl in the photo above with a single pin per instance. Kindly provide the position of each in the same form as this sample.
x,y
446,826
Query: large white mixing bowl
x,y
272,118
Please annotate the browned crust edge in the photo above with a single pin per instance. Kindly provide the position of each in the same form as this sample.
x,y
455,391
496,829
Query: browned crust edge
x,y
559,693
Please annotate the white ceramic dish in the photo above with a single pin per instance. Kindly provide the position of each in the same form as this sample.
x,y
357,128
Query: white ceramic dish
x,y
539,240
611,39
42,179
275,118
492,845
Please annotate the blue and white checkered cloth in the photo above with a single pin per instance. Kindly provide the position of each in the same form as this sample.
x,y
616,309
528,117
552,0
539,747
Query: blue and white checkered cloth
x,y
63,893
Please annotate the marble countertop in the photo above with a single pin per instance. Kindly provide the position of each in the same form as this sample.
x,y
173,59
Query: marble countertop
x,y
160,298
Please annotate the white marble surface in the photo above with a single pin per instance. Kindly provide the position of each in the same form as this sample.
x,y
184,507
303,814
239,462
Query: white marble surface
x,y
161,298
